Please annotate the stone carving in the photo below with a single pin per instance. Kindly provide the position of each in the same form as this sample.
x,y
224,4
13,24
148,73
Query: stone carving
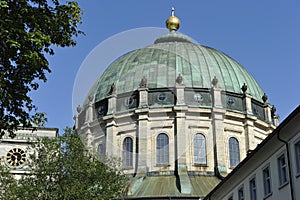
x,y
91,97
215,81
143,83
112,89
79,108
273,110
179,79
244,88
264,98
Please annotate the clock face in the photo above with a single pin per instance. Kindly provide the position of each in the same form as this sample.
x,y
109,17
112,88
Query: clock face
x,y
16,157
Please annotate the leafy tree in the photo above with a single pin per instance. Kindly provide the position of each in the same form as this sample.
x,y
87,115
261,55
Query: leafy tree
x,y
8,184
64,169
29,29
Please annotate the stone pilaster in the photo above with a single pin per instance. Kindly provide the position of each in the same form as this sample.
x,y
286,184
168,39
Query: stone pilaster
x,y
179,92
249,133
112,148
89,110
142,138
219,139
180,134
143,97
268,114
76,121
217,116
248,103
142,132
112,104
216,97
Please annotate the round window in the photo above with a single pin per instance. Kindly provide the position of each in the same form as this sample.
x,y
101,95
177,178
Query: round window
x,y
161,97
198,97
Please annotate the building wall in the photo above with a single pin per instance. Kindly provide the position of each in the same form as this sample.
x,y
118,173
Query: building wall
x,y
267,155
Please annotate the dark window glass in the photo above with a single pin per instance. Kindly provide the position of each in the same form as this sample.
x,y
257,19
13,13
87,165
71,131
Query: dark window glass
x,y
253,189
199,149
241,193
297,153
234,152
127,152
282,170
162,149
267,180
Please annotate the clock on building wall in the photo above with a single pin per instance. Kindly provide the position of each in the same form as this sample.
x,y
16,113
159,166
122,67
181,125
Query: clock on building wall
x,y
16,157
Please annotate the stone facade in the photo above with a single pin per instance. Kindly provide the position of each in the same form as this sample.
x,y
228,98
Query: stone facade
x,y
180,122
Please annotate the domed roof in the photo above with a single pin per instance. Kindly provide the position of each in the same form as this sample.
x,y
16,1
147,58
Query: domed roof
x,y
170,55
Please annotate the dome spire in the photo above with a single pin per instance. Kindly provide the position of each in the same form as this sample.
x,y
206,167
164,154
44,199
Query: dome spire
x,y
173,10
173,23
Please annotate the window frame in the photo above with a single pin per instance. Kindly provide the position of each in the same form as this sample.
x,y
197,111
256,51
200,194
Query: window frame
x,y
200,156
297,156
162,154
253,189
127,155
234,152
267,180
283,178
241,191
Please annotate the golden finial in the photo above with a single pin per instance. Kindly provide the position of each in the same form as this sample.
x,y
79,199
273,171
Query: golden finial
x,y
173,23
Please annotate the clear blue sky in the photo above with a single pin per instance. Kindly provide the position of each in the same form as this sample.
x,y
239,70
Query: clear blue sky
x,y
263,36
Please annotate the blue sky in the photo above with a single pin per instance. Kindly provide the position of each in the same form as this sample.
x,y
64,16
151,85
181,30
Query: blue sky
x,y
263,36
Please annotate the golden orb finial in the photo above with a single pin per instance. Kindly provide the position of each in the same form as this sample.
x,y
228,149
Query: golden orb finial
x,y
173,23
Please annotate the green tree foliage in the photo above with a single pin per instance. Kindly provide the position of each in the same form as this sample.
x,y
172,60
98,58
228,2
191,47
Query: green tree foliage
x,y
63,169
29,29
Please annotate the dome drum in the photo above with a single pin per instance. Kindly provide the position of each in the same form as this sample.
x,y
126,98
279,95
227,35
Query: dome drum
x,y
193,98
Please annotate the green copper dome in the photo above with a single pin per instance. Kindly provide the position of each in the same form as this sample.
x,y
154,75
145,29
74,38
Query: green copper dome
x,y
170,55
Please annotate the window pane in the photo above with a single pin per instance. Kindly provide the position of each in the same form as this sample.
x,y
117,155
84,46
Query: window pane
x,y
234,152
199,149
252,189
267,181
241,193
162,149
297,153
282,170
127,152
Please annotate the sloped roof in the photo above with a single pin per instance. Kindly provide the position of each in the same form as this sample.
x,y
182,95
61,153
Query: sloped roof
x,y
160,187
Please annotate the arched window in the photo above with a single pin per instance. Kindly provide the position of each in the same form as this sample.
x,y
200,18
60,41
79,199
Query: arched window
x,y
127,152
234,152
162,149
199,149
